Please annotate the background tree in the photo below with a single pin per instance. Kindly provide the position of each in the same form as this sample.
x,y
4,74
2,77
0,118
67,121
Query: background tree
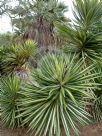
x,y
7,39
3,6
34,19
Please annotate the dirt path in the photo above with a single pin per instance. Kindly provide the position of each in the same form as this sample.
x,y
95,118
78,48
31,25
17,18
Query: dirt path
x,y
92,130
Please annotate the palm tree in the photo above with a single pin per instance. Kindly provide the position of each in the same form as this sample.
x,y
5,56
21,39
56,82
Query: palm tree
x,y
2,7
34,19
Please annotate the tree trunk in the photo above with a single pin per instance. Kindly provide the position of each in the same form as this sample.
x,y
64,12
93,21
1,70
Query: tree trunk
x,y
42,32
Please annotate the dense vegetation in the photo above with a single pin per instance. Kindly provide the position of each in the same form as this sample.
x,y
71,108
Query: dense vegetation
x,y
50,67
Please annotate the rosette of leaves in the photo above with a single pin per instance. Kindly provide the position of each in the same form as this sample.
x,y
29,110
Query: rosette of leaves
x,y
56,98
9,95
15,57
84,35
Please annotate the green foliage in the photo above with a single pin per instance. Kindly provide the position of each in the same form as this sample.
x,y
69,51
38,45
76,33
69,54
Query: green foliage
x,y
15,56
97,108
2,6
97,104
56,97
85,43
87,13
84,37
34,19
9,95
26,13
6,39
62,87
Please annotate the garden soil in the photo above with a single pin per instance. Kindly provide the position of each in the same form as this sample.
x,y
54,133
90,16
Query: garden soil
x,y
92,130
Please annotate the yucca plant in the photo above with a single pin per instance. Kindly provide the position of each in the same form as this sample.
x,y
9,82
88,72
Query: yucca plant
x,y
97,104
56,98
97,109
14,57
9,95
84,36
87,14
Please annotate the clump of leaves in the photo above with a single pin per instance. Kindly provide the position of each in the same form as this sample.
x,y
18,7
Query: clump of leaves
x,y
16,56
84,35
9,95
56,98
97,104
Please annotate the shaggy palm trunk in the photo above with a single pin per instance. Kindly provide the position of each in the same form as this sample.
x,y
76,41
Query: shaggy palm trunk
x,y
43,33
